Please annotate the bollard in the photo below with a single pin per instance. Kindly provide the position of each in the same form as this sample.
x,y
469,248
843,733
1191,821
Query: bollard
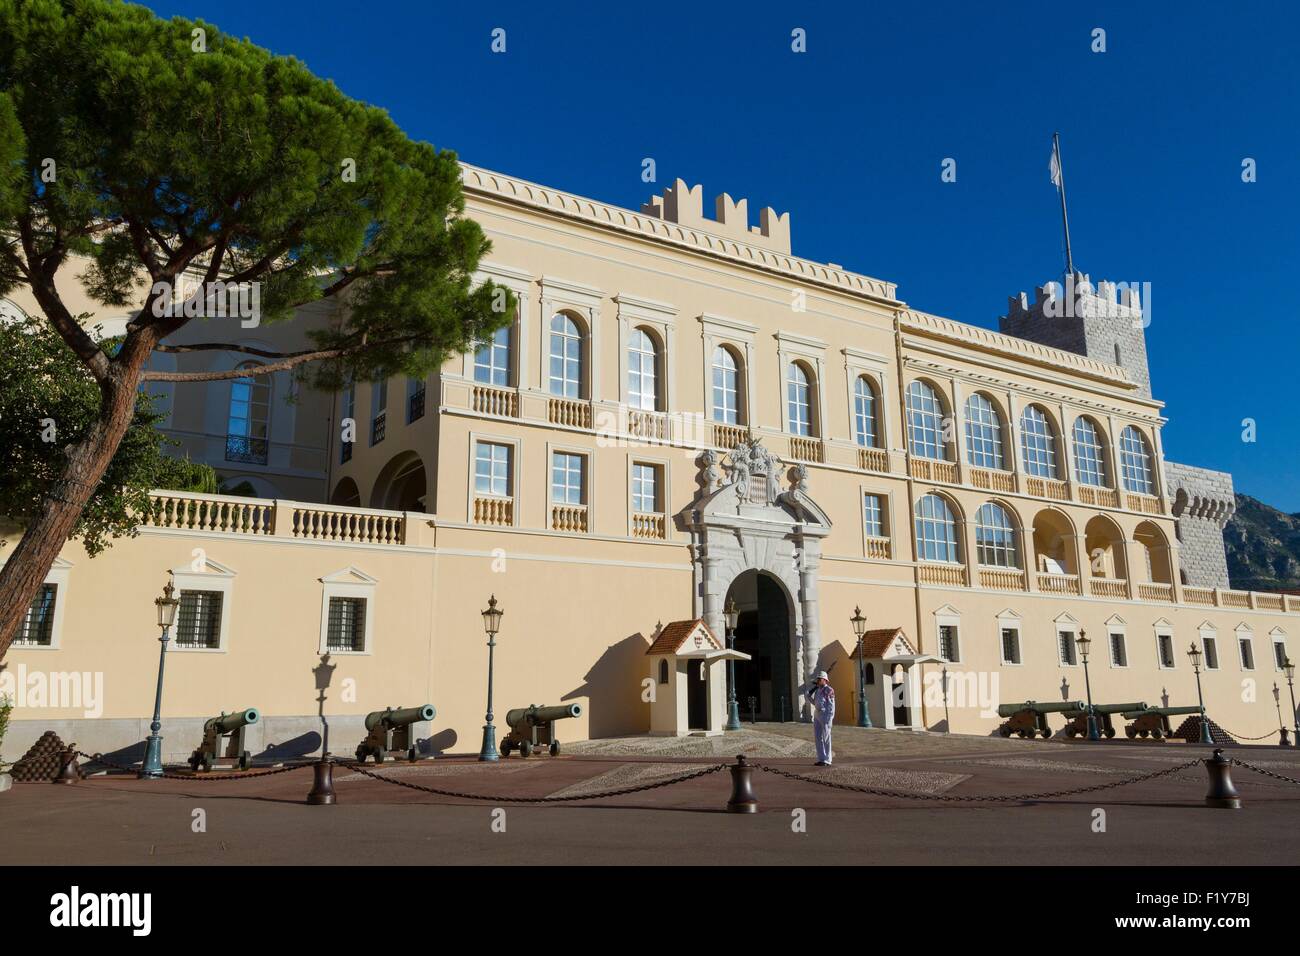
x,y
322,790
1222,793
69,773
742,788
1284,742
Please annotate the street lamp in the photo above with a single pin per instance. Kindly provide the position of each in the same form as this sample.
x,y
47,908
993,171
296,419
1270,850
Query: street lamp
x,y
1290,683
491,624
1282,731
166,606
1084,643
731,614
1194,653
860,628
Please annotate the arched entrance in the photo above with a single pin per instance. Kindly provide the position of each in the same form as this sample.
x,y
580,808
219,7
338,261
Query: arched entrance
x,y
401,484
764,630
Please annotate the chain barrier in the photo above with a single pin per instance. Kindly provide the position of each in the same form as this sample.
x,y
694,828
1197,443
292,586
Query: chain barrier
x,y
682,778
202,778
1238,737
1267,773
965,798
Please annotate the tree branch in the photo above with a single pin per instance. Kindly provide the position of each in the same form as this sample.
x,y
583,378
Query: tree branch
x,y
290,360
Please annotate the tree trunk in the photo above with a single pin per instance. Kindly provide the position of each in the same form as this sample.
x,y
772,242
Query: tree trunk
x,y
44,537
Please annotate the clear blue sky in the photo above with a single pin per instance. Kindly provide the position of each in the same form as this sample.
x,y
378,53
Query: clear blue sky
x,y
849,138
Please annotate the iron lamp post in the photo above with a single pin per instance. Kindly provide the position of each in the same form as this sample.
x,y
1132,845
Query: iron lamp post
x,y
731,614
491,624
1194,653
166,606
1277,703
860,628
1085,643
1290,683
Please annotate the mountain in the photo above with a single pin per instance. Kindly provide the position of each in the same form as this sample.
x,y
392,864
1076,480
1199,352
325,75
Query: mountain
x,y
1263,547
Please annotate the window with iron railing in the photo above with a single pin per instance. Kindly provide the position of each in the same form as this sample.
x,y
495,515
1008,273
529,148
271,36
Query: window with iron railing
x,y
198,620
38,625
247,449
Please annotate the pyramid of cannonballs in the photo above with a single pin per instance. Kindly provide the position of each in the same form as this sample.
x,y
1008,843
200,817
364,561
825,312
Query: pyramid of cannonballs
x,y
1190,730
42,762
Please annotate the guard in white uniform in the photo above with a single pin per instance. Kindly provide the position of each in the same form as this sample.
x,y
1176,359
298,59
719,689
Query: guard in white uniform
x,y
822,697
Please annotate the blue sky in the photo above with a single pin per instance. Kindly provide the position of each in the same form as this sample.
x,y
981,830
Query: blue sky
x,y
849,138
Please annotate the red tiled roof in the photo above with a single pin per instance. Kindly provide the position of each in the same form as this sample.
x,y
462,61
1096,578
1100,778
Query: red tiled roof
x,y
875,642
674,634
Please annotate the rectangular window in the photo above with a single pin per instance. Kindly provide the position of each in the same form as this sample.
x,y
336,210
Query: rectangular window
x,y
38,625
492,469
1165,647
873,515
1247,654
346,629
1118,652
349,412
567,482
414,399
492,360
1210,646
1069,650
948,648
1010,645
198,619
1279,654
645,488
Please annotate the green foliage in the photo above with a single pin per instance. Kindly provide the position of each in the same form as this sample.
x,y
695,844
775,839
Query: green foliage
x,y
47,401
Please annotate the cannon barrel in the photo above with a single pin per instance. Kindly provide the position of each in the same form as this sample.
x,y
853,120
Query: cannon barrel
x,y
400,717
1162,711
533,714
229,723
1116,708
1052,707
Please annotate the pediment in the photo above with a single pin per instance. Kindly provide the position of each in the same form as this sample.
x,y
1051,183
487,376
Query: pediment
x,y
349,575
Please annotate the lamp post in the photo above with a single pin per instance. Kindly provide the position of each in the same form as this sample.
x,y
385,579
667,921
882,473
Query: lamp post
x,y
731,614
166,606
491,624
1290,683
1282,731
1084,643
1194,653
860,628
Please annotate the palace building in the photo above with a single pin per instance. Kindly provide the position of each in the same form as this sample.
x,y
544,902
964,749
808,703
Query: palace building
x,y
682,414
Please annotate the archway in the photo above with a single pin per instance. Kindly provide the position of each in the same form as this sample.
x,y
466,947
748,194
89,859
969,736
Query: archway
x,y
1053,543
764,631
346,493
401,484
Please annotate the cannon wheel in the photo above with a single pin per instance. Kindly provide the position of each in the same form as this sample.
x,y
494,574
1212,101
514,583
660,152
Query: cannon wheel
x,y
207,763
1004,730
245,760
1130,731
505,748
194,762
361,755
555,748
1144,734
1157,734
1046,732
1110,732
525,748
379,755
1070,731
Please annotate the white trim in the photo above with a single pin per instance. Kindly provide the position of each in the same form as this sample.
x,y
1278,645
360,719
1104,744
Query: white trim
x,y
205,574
58,576
1163,629
349,582
1116,625
588,483
1243,633
948,616
886,497
516,467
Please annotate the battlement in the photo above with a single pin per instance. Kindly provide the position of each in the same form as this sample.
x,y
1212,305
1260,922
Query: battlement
x,y
1203,501
684,205
1078,297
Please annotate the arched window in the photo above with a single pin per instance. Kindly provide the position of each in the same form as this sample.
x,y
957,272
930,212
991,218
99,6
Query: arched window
x,y
1135,461
936,530
864,412
925,422
663,672
726,387
248,426
642,371
983,433
1089,454
871,674
799,398
566,357
1037,443
995,537
492,359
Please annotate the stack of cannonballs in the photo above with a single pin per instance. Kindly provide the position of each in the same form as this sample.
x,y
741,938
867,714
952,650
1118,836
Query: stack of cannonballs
x,y
42,763
1190,730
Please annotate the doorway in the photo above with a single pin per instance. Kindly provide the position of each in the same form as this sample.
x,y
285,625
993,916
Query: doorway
x,y
697,695
764,685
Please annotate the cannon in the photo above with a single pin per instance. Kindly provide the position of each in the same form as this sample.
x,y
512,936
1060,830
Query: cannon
x,y
389,732
1154,721
1078,725
232,726
530,728
1029,718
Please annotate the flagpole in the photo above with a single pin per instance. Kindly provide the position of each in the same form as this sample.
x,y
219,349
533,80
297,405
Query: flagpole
x,y
1065,219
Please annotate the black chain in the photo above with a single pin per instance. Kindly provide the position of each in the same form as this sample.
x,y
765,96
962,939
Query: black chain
x,y
1267,773
204,778
964,798
1239,737
682,778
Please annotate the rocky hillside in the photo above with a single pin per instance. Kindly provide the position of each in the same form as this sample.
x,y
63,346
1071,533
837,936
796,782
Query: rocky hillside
x,y
1263,547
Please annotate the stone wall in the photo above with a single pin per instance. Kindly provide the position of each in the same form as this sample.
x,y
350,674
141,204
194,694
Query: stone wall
x,y
1203,501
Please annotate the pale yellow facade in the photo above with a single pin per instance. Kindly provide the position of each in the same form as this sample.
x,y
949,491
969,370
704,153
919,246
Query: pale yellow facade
x,y
456,497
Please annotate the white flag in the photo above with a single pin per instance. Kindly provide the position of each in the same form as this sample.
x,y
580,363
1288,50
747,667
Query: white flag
x,y
1054,167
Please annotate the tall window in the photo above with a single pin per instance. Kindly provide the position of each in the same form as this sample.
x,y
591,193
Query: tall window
x,y
492,469
995,537
1165,648
1069,649
1089,457
1210,647
567,479
1037,443
346,625
983,433
925,422
349,412
936,530
948,648
642,371
378,411
645,488
1118,650
1247,649
864,412
38,625
1279,654
799,395
1135,461
1010,645
726,387
249,422
873,515
566,357
492,360
198,619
